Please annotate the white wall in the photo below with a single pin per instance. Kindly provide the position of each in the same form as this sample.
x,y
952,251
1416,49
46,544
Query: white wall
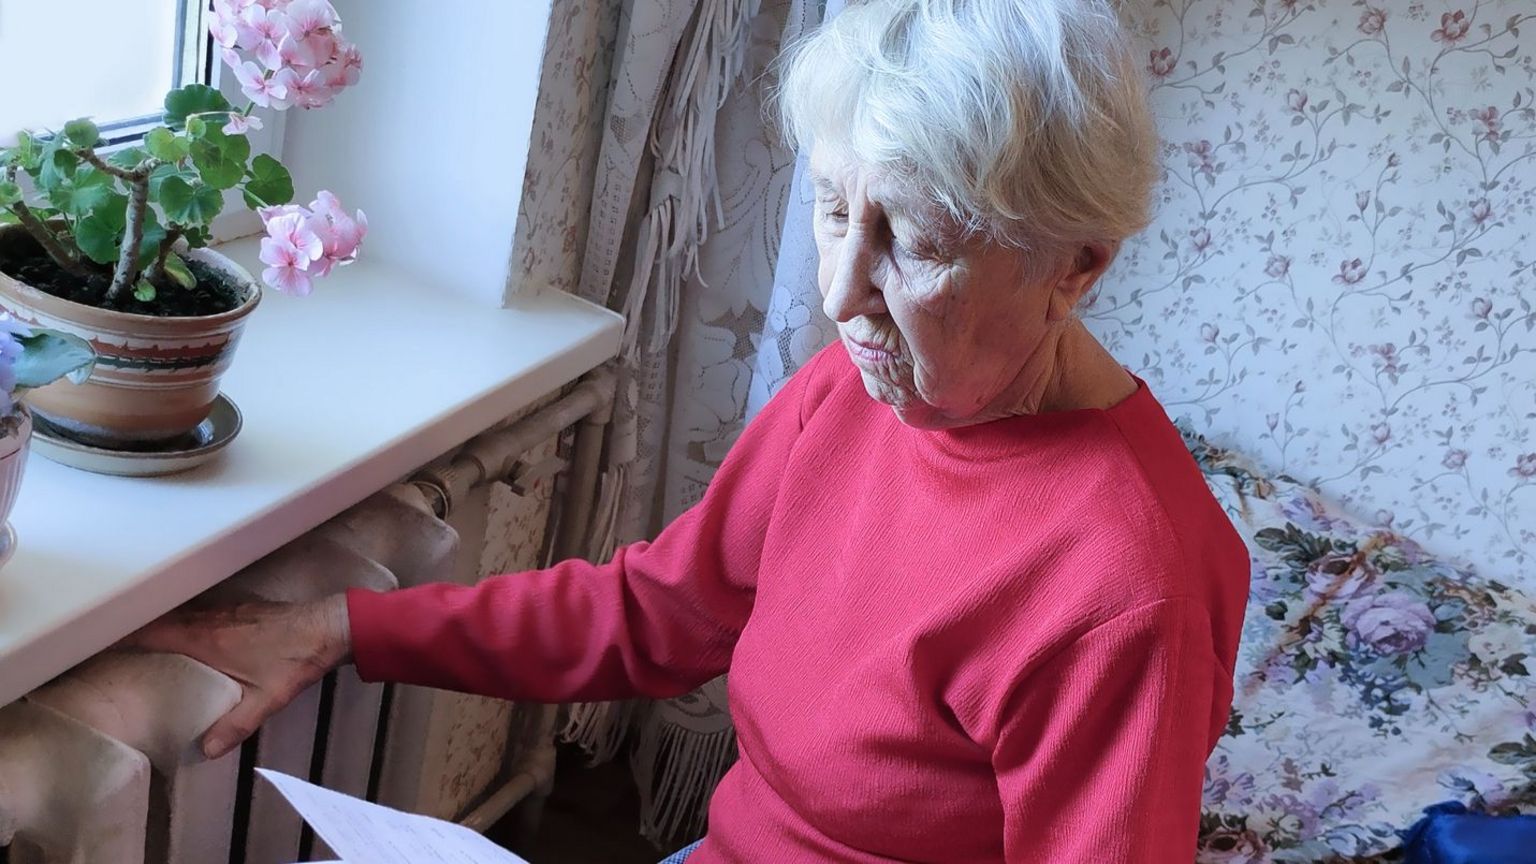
x,y
433,140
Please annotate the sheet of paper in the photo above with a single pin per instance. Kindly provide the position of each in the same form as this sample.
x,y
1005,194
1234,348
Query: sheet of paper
x,y
364,833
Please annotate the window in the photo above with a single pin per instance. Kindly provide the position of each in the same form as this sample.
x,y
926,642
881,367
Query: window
x,y
111,60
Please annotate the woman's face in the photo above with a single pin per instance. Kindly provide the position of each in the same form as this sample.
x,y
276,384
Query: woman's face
x,y
944,330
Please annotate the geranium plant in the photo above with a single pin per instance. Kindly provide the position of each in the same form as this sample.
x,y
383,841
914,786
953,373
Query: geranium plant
x,y
32,358
110,225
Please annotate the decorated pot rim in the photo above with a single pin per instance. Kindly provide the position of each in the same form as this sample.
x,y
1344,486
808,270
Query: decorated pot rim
x,y
136,322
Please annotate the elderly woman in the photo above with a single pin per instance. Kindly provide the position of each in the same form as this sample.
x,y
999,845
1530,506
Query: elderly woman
x,y
976,602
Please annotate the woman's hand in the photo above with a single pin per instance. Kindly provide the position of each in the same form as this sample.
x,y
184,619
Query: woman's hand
x,y
274,650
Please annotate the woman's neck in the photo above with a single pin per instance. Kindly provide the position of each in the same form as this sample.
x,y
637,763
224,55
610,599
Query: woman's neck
x,y
1073,372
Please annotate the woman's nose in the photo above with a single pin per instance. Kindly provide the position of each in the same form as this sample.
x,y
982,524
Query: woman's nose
x,y
852,291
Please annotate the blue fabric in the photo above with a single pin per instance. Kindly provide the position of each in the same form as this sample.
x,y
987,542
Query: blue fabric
x,y
682,854
1448,834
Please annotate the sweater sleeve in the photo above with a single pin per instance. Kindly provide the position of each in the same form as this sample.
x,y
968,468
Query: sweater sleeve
x,y
1101,754
658,620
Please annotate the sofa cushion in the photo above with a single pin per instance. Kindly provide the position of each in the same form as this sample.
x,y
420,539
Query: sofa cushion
x,y
1373,681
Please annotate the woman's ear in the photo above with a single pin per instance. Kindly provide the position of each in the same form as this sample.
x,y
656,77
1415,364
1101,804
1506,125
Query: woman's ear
x,y
1088,264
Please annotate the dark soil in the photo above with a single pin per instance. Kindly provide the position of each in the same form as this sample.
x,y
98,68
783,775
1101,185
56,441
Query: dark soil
x,y
24,260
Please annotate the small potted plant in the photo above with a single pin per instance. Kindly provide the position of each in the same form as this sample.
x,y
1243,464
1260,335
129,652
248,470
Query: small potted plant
x,y
29,359
112,247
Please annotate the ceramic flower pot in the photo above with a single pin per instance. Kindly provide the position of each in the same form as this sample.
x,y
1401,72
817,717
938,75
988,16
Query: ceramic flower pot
x,y
155,379
15,435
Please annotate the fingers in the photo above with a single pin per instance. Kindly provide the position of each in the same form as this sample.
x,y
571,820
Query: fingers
x,y
242,721
168,635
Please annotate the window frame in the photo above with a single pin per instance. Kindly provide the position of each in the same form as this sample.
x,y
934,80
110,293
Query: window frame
x,y
198,61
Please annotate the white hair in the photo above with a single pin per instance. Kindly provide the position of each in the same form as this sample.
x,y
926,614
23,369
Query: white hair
x,y
1023,119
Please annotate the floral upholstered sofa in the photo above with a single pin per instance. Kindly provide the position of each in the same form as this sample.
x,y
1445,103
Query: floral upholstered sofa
x,y
1374,680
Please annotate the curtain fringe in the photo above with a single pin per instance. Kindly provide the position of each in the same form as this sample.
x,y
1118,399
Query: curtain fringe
x,y
686,185
676,769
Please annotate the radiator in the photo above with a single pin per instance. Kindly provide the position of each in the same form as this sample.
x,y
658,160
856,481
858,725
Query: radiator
x,y
101,765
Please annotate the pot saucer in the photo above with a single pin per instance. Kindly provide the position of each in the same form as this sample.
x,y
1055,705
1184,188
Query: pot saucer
x,y
184,453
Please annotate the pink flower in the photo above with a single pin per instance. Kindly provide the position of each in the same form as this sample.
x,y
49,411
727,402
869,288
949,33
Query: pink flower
x,y
1491,120
1296,100
1393,160
344,69
1392,623
256,25
288,80
257,87
1277,266
239,124
310,91
293,228
1481,210
1525,466
1454,459
350,61
1387,360
1338,576
1201,156
343,234
1372,20
1272,421
287,268
1481,307
306,17
289,249
223,30
1162,62
1381,432
1209,332
1453,28
1200,239
1350,272
1362,200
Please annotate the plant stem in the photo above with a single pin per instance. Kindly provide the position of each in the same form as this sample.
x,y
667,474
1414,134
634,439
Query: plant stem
x,y
156,271
126,272
67,258
89,155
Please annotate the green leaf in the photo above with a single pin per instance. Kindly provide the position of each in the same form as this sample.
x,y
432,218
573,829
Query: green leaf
x,y
27,154
166,145
157,177
189,204
270,183
196,238
48,355
179,272
144,291
220,159
57,166
128,158
10,192
88,190
197,127
192,99
82,132
100,235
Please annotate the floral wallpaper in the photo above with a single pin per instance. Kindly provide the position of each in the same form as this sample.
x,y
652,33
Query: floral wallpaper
x,y
1339,276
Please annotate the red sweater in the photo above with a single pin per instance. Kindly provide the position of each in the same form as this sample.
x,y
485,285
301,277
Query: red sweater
x,y
1009,642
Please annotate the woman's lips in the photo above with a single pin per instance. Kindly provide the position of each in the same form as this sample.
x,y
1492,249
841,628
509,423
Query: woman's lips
x,y
869,353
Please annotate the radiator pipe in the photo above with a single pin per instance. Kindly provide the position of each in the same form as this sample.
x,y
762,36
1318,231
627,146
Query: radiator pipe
x,y
581,490
492,456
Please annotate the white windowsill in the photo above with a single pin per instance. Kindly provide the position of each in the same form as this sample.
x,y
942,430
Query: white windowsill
x,y
344,393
